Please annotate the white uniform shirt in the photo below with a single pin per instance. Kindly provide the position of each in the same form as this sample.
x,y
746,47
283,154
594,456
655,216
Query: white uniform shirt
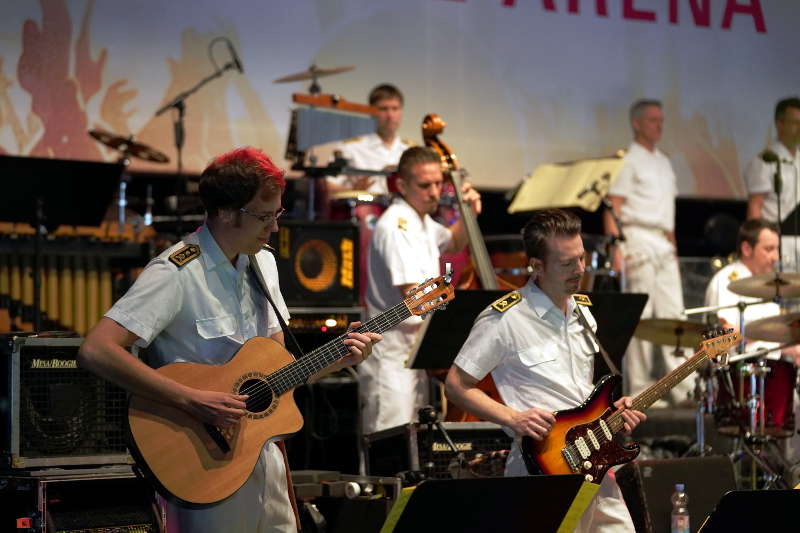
x,y
717,293
203,311
648,184
405,249
369,152
759,180
538,357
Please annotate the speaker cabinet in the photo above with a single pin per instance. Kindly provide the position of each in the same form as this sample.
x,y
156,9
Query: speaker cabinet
x,y
54,413
318,263
85,502
409,447
648,485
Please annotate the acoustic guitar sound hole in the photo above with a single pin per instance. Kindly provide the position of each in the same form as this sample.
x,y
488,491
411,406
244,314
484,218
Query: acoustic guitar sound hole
x,y
260,395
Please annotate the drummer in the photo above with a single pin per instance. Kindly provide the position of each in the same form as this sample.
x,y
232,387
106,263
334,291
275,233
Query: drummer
x,y
757,249
377,151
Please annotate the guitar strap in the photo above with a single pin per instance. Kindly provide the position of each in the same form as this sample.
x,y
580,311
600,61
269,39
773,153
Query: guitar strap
x,y
287,333
603,352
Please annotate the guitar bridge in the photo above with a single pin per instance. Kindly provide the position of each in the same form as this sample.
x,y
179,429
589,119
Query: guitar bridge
x,y
569,457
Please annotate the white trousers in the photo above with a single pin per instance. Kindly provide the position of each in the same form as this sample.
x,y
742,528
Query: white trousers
x,y
651,267
607,512
261,505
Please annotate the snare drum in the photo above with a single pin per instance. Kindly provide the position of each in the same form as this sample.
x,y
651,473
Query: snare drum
x,y
362,208
779,385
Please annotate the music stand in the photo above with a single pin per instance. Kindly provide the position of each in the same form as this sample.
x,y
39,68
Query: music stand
x,y
47,193
754,510
617,315
542,503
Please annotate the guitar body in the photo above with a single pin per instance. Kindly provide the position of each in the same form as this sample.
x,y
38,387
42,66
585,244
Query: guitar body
x,y
176,449
547,456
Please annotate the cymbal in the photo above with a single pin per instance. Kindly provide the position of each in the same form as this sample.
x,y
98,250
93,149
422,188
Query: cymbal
x,y
784,329
670,332
314,72
763,285
128,146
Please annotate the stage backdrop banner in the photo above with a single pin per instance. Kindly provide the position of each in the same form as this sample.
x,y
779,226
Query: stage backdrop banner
x,y
519,82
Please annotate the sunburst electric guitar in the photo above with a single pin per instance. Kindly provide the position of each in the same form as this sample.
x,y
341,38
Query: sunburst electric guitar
x,y
198,464
582,439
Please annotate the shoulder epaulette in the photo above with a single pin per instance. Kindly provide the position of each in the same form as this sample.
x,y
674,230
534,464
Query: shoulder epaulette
x,y
402,223
353,139
506,302
270,248
408,142
582,299
733,276
185,255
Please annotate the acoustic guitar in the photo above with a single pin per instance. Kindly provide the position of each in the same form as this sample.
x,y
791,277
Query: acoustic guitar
x,y
197,464
582,439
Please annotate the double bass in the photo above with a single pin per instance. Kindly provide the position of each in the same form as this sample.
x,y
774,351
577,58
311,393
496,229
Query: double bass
x,y
480,273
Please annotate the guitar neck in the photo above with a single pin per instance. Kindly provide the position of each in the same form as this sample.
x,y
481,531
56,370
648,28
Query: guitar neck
x,y
660,388
477,247
298,372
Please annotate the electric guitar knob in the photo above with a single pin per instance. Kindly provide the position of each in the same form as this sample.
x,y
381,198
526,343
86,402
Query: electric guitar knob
x,y
587,465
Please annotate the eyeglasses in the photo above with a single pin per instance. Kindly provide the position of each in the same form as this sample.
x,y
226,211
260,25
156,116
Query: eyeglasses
x,y
269,218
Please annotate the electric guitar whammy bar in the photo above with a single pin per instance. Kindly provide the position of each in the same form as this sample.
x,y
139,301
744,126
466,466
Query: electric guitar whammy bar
x,y
198,464
582,439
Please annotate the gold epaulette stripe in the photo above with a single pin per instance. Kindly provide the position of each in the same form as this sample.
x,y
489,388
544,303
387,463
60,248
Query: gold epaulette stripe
x,y
185,255
507,302
582,299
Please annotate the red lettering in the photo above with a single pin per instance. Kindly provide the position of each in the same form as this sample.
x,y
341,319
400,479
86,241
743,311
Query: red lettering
x,y
701,12
549,5
600,6
752,8
509,3
630,12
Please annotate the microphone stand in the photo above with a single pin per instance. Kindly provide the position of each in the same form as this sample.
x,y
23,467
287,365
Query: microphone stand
x,y
179,103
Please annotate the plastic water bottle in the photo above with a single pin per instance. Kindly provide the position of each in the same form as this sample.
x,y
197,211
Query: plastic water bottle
x,y
680,510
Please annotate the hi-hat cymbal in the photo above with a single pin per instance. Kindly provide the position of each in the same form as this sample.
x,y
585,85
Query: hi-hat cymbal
x,y
313,73
670,332
764,285
784,329
128,146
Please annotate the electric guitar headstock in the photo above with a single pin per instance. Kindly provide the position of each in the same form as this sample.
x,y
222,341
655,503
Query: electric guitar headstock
x,y
431,295
719,341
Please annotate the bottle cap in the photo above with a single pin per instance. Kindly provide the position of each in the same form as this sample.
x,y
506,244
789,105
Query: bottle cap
x,y
679,487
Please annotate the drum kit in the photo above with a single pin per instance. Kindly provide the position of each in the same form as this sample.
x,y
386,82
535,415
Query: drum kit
x,y
750,396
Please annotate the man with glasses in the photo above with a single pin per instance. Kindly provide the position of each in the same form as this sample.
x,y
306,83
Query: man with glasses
x,y
199,302
405,250
762,200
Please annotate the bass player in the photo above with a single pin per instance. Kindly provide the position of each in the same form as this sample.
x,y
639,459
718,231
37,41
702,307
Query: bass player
x,y
199,302
540,356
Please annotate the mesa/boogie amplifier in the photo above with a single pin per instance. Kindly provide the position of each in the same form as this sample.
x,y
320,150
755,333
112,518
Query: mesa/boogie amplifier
x,y
54,413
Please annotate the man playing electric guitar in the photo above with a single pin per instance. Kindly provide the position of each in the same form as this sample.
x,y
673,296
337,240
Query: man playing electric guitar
x,y
540,356
199,302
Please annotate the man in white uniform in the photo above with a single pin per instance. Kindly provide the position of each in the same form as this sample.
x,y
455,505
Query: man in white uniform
x,y
762,201
643,196
376,151
405,252
199,302
540,356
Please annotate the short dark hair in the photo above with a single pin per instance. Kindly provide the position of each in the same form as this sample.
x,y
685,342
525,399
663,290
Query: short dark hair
x,y
640,105
385,91
545,224
233,179
414,156
783,105
750,230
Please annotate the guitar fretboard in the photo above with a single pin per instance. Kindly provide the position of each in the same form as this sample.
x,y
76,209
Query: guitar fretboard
x,y
298,372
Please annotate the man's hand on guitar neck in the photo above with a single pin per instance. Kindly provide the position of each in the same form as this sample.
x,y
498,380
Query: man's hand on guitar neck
x,y
360,346
631,417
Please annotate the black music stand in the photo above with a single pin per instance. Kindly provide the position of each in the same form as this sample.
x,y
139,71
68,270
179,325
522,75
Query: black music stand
x,y
617,315
530,503
47,193
754,510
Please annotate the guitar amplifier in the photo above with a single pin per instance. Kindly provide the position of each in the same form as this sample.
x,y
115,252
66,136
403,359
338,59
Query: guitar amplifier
x,y
103,500
318,263
410,446
54,413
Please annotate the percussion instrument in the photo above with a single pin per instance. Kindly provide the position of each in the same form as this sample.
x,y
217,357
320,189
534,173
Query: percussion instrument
x,y
128,147
780,328
768,285
670,332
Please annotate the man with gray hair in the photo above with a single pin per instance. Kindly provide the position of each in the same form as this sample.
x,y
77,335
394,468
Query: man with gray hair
x,y
643,197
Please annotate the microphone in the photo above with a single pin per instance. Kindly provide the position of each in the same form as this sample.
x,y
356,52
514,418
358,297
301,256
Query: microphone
x,y
236,62
768,156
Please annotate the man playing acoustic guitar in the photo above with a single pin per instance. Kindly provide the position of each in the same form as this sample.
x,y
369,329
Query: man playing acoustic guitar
x,y
540,355
199,302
